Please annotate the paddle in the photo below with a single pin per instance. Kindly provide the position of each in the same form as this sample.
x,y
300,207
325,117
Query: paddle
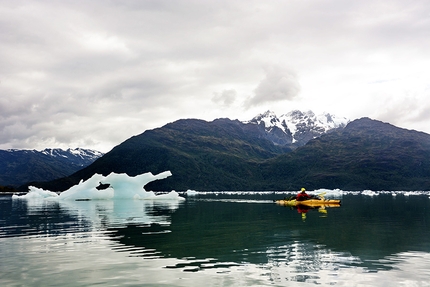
x,y
322,195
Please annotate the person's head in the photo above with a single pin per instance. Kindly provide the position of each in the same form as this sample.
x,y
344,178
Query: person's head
x,y
303,190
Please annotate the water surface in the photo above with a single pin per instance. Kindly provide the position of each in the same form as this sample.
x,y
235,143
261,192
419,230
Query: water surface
x,y
216,239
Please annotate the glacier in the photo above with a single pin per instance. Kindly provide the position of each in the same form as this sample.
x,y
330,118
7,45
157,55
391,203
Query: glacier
x,y
118,186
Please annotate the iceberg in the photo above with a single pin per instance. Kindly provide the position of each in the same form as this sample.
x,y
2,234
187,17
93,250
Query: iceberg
x,y
112,186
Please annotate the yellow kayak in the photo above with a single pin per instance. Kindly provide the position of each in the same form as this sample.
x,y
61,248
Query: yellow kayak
x,y
310,202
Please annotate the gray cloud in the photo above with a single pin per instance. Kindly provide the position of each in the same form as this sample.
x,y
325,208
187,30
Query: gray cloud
x,y
93,73
408,112
225,98
278,85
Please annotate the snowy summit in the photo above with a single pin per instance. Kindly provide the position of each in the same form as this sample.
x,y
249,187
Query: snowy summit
x,y
297,127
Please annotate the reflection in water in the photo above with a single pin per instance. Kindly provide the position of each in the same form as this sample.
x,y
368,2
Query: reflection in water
x,y
306,262
303,210
119,213
204,242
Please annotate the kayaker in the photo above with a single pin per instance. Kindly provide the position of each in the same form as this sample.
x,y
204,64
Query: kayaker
x,y
302,195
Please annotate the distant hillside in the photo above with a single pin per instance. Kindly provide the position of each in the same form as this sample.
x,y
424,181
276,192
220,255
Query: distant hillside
x,y
367,154
230,155
209,155
18,167
279,134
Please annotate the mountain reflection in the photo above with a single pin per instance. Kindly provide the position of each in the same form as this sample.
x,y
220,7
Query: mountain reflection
x,y
215,233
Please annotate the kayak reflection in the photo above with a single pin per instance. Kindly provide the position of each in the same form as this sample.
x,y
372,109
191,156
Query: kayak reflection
x,y
304,206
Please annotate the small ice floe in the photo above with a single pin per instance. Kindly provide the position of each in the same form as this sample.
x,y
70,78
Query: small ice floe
x,y
173,195
369,193
190,192
327,193
36,193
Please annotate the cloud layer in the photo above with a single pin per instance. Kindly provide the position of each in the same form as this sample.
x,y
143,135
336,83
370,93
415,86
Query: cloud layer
x,y
92,74
276,86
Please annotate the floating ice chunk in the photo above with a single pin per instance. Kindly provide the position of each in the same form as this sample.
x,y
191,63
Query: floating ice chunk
x,y
35,192
327,193
114,186
369,193
191,192
121,186
173,195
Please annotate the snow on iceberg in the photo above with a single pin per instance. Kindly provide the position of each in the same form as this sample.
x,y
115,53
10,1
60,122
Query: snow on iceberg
x,y
114,186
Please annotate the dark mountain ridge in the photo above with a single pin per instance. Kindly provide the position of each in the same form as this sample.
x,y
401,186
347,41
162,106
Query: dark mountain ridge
x,y
231,155
288,131
367,154
18,167
211,154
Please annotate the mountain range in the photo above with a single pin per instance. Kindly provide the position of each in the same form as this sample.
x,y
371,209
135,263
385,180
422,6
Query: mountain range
x,y
291,130
268,153
18,167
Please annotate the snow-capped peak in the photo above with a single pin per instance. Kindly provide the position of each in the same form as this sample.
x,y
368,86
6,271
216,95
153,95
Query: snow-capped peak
x,y
85,152
325,120
268,118
79,156
332,121
297,126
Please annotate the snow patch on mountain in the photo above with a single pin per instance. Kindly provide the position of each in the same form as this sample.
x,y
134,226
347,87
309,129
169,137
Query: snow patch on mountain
x,y
18,167
77,155
296,127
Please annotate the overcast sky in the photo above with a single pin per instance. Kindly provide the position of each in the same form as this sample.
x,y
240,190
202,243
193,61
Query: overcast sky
x,y
94,73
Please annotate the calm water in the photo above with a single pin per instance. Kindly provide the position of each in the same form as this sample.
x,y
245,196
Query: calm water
x,y
215,240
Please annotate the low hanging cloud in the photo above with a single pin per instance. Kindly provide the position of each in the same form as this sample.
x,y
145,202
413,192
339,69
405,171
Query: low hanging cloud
x,y
278,85
225,98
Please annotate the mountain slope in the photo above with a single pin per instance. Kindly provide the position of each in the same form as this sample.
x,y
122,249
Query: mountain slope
x,y
207,155
286,132
230,155
18,167
367,154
